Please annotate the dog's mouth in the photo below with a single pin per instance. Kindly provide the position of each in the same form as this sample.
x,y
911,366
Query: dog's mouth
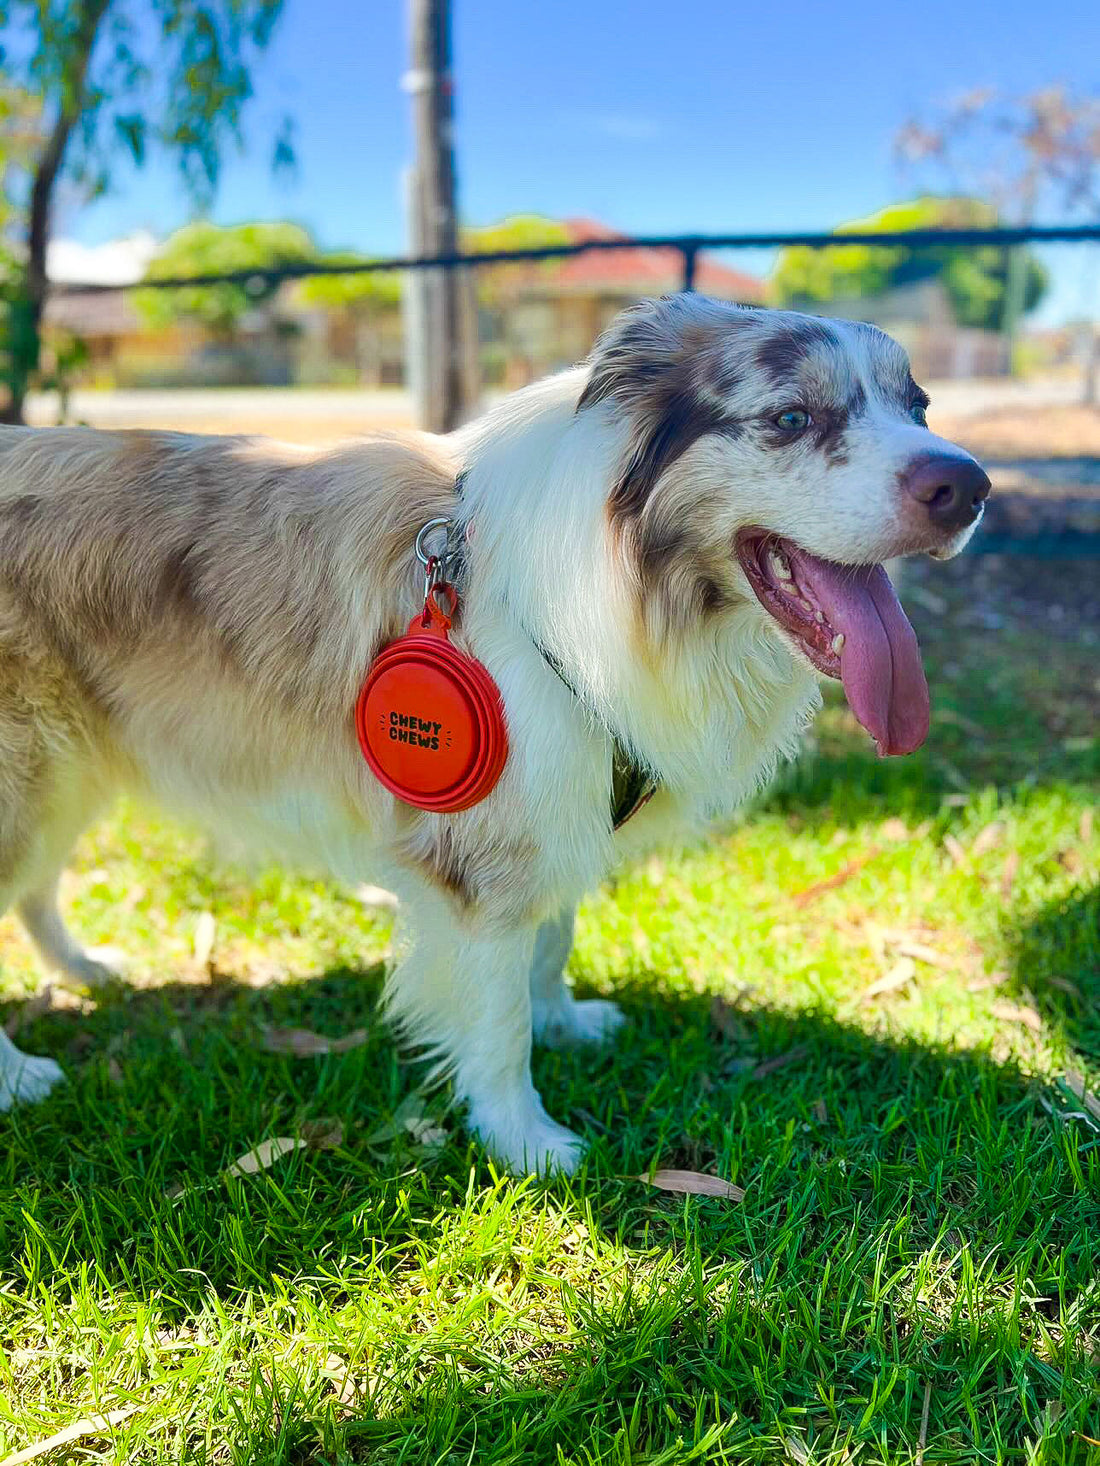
x,y
848,622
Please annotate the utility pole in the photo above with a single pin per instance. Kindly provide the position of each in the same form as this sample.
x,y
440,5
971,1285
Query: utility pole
x,y
436,319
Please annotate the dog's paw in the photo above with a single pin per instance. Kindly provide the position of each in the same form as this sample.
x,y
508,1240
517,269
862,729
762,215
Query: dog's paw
x,y
28,1081
567,1023
94,968
540,1147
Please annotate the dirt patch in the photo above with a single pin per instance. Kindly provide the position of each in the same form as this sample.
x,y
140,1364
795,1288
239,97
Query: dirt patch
x,y
1025,432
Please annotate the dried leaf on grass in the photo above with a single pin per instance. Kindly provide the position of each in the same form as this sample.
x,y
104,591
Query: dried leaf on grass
x,y
1070,860
303,1044
922,1440
264,1155
1008,873
954,849
93,1425
410,1122
338,1371
987,839
725,1018
693,1183
325,1133
1075,1083
921,952
780,1061
901,942
1085,827
797,1450
206,932
991,980
1018,1013
894,830
900,975
1064,985
830,883
27,1012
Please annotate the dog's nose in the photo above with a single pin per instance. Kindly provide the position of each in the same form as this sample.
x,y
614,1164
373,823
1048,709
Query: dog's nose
x,y
951,489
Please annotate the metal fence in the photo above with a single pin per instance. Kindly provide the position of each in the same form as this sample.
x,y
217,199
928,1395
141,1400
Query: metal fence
x,y
1071,530
688,246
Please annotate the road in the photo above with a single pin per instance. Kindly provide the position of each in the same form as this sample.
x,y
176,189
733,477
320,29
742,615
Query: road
x,y
313,415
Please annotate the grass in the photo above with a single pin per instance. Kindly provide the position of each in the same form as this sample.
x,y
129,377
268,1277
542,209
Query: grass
x,y
914,1272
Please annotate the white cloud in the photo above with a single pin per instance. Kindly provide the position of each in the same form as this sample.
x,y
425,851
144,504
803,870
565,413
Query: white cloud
x,y
624,126
118,262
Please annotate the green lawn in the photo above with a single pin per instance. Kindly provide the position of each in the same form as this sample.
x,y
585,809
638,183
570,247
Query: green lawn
x,y
920,1236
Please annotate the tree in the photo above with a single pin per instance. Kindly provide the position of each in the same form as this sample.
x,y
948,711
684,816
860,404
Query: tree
x,y
974,277
211,249
359,294
110,77
1030,153
1024,154
518,231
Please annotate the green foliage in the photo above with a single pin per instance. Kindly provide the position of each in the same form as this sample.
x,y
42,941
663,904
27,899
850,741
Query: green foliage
x,y
973,277
355,293
518,231
210,249
131,73
109,77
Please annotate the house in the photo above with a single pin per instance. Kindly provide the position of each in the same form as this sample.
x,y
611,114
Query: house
x,y
919,315
545,315
529,318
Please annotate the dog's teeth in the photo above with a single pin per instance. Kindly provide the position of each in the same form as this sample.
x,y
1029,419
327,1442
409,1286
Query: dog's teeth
x,y
780,568
819,616
838,643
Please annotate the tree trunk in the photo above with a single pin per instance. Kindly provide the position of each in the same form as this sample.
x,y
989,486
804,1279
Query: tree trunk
x,y
26,311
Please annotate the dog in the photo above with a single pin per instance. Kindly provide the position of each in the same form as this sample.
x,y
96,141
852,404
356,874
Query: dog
x,y
663,551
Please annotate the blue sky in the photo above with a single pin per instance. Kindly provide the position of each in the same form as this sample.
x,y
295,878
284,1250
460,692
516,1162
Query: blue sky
x,y
652,117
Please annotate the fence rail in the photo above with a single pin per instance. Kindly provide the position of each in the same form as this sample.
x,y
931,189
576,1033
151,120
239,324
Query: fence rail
x,y
689,247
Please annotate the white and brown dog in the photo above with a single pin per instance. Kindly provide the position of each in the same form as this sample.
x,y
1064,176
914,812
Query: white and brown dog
x,y
664,549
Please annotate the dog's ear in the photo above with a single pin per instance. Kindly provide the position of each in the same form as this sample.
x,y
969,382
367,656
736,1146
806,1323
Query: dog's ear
x,y
662,363
633,353
648,341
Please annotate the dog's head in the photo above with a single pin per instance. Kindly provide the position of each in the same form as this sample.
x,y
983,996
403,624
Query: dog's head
x,y
779,459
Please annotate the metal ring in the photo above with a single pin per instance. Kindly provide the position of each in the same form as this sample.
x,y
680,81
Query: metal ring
x,y
421,555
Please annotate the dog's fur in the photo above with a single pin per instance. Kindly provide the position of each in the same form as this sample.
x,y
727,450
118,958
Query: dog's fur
x,y
193,617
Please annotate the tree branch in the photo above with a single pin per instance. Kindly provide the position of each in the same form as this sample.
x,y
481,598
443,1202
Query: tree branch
x,y
53,154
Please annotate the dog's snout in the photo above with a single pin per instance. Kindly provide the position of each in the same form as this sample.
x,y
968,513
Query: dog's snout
x,y
952,489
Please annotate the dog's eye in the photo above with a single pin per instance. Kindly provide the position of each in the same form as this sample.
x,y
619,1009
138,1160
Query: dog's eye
x,y
917,413
794,420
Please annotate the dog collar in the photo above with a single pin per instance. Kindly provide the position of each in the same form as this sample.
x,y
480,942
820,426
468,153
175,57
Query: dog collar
x,y
632,784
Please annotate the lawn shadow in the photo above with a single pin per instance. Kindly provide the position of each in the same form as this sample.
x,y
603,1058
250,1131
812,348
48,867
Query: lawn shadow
x,y
881,1178
1064,938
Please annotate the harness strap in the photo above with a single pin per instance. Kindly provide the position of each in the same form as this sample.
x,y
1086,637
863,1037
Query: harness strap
x,y
632,784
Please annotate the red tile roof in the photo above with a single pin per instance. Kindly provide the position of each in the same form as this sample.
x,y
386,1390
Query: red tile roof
x,y
643,271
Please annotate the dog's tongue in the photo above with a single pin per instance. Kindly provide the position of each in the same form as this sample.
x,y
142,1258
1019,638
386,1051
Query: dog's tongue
x,y
880,663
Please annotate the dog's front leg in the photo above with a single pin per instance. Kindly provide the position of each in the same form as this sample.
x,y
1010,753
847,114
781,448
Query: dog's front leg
x,y
558,1018
462,992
